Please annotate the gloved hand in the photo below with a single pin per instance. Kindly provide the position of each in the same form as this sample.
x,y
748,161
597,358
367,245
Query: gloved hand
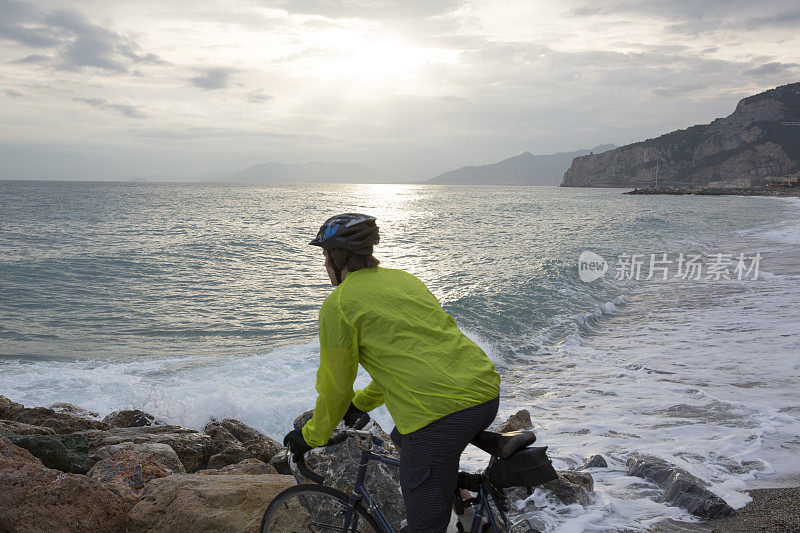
x,y
296,443
355,417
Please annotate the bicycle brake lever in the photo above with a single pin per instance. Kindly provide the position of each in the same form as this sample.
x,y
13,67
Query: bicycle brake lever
x,y
300,461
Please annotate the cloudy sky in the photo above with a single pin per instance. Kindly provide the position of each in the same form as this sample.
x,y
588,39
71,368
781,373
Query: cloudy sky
x,y
105,88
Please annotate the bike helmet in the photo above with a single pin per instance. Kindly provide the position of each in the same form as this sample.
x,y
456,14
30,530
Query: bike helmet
x,y
355,232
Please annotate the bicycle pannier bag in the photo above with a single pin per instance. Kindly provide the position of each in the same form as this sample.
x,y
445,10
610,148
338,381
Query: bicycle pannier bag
x,y
526,468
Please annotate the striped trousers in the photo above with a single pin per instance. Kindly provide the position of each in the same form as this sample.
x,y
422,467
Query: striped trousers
x,y
429,460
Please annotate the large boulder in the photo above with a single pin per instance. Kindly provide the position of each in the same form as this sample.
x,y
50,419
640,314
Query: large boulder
x,y
251,467
193,448
338,464
60,421
225,448
518,421
21,428
680,487
570,487
129,418
232,442
595,461
193,503
34,498
126,473
163,453
68,453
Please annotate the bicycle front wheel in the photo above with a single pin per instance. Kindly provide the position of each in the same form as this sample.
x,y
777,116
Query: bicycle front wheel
x,y
316,508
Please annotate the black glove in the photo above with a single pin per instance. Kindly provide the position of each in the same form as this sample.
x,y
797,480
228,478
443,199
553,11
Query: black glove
x,y
296,443
355,417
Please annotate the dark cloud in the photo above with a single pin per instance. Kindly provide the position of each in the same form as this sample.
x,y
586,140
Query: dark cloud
x,y
259,97
689,17
102,103
90,45
11,93
213,78
771,69
673,10
33,59
78,43
21,23
789,18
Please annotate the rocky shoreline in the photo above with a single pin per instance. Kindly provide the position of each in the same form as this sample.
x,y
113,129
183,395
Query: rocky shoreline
x,y
62,468
718,191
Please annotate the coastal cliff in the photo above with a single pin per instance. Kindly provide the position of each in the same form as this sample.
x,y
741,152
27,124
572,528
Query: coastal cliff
x,y
759,140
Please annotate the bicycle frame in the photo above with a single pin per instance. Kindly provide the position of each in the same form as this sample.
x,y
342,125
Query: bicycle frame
x,y
360,492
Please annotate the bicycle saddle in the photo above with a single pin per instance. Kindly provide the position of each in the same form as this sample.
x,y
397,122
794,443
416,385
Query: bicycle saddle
x,y
503,445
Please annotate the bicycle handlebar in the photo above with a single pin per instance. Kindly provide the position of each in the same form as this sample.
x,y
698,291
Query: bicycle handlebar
x,y
337,438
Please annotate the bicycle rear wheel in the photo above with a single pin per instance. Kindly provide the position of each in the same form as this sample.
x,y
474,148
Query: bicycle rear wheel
x,y
315,508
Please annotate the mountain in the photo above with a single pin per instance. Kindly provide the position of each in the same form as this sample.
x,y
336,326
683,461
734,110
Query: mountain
x,y
760,139
523,169
312,172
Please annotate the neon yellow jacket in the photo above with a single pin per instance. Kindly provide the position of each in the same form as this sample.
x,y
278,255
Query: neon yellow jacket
x,y
421,365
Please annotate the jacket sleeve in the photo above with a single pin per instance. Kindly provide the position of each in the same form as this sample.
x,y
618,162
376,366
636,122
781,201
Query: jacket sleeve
x,y
338,365
368,398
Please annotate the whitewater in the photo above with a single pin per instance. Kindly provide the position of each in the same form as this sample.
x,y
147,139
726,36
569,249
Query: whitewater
x,y
193,301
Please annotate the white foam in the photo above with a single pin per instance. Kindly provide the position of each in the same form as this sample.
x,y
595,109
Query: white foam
x,y
787,232
266,391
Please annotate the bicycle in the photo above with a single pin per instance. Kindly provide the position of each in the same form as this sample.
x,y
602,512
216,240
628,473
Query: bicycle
x,y
319,508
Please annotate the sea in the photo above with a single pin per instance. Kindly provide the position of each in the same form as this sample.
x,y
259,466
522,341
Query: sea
x,y
677,335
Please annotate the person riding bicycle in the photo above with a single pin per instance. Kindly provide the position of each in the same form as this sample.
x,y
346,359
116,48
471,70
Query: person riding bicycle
x,y
439,386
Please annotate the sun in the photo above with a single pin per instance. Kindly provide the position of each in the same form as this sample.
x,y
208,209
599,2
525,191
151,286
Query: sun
x,y
358,57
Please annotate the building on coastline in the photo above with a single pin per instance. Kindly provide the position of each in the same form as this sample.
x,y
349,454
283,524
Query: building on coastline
x,y
739,183
783,182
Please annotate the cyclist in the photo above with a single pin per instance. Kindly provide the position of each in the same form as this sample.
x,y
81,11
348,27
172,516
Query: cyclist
x,y
440,387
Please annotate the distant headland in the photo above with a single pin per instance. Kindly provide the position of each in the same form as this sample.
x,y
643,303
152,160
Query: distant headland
x,y
757,147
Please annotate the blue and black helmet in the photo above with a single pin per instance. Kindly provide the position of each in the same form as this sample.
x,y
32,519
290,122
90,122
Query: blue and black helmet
x,y
349,231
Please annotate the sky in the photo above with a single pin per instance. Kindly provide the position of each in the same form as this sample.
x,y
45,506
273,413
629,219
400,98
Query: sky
x,y
100,89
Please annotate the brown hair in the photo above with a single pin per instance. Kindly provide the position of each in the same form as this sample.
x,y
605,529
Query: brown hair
x,y
356,262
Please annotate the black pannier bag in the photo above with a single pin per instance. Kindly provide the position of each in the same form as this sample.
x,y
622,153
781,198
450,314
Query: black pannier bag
x,y
526,468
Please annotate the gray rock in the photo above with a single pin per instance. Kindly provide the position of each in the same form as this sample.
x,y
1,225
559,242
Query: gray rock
x,y
339,464
68,453
595,461
72,409
518,421
21,428
301,420
36,498
129,418
570,487
250,467
193,448
581,479
225,448
126,473
196,503
680,487
280,461
163,453
60,421
233,441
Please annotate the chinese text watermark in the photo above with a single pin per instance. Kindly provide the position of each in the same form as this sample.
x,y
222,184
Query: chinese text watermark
x,y
663,266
